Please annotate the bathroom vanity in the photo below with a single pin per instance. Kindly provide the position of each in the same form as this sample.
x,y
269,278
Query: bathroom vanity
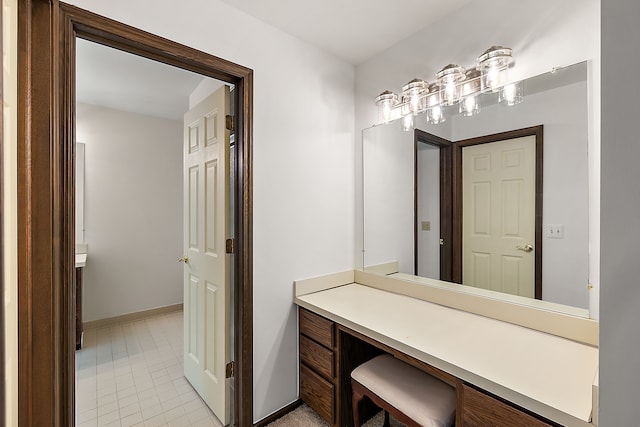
x,y
511,364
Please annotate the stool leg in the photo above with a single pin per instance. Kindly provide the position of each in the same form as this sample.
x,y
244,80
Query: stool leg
x,y
356,398
386,419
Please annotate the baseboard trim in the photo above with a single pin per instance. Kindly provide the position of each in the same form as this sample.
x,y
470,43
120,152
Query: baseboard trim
x,y
130,317
279,414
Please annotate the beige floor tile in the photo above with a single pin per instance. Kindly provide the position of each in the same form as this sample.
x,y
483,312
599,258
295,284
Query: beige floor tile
x,y
132,375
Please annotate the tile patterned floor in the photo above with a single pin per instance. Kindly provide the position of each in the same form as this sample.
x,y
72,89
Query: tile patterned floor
x,y
130,374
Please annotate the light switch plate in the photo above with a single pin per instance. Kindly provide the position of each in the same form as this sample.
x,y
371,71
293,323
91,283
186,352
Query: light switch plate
x,y
555,231
426,225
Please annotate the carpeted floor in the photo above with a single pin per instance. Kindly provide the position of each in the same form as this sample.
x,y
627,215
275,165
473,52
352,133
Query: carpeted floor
x,y
303,416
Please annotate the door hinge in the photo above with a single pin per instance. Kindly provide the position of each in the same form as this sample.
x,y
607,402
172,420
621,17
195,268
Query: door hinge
x,y
230,246
230,123
230,369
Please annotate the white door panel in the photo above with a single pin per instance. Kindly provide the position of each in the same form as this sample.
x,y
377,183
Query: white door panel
x,y
498,215
206,277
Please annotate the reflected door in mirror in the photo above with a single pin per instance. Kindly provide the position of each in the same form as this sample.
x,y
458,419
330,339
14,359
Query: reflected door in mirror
x,y
498,216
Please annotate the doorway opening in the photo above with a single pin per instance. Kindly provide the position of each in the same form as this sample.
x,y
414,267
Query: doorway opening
x,y
131,205
46,134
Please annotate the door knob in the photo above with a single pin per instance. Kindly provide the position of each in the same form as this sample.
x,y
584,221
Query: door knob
x,y
526,248
184,259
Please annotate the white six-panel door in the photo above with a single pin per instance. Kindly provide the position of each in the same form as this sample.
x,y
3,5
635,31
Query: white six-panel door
x,y
206,272
498,216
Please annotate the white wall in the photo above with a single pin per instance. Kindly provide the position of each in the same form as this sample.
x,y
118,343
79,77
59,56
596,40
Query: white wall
x,y
543,34
388,196
303,164
79,195
388,200
133,211
620,267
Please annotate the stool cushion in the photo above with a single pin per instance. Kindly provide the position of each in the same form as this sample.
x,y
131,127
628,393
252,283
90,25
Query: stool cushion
x,y
422,397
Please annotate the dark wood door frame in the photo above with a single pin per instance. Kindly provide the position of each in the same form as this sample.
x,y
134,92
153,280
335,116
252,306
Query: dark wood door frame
x,y
47,30
446,214
536,131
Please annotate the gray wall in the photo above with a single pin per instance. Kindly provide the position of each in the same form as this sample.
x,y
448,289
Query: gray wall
x,y
620,237
133,211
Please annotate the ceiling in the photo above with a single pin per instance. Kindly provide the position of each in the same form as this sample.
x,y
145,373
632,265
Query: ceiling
x,y
354,30
123,81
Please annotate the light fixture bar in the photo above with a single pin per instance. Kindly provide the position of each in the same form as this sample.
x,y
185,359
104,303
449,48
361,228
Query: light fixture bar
x,y
454,85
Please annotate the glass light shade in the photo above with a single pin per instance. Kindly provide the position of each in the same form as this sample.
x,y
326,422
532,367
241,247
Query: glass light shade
x,y
405,106
448,80
435,115
413,93
471,84
469,91
470,106
407,123
494,67
385,102
433,98
511,94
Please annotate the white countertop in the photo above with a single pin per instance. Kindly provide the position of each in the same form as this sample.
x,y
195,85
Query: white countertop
x,y
81,260
547,374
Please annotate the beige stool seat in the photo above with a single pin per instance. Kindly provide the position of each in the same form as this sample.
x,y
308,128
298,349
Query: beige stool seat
x,y
411,395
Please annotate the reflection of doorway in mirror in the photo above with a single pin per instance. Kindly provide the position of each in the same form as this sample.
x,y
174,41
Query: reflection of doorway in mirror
x,y
499,216
428,211
433,244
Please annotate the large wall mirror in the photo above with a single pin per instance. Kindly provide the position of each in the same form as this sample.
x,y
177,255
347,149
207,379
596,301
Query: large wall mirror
x,y
428,198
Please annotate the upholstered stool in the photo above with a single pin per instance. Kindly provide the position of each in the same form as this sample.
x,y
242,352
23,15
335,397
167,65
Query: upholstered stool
x,y
409,394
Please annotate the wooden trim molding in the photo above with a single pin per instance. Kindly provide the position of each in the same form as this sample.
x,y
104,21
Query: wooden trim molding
x,y
538,132
47,30
131,317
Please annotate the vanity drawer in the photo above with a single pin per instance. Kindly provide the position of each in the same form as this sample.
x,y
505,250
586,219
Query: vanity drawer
x,y
317,357
316,327
481,410
318,393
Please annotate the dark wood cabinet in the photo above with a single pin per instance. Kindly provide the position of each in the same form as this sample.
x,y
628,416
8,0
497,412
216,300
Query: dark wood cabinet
x,y
318,380
329,351
482,410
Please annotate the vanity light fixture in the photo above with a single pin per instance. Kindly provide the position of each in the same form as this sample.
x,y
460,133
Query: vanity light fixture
x,y
412,95
448,80
407,123
494,67
454,85
385,102
470,93
511,94
435,114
